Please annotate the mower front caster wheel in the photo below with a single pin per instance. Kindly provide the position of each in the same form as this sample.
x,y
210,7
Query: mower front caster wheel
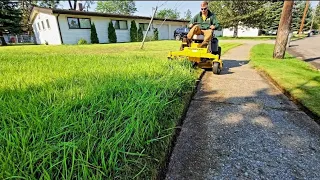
x,y
216,68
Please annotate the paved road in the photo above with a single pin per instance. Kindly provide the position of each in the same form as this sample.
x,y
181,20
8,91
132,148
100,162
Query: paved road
x,y
239,126
308,49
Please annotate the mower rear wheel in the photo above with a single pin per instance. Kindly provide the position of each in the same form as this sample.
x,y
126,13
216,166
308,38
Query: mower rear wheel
x,y
216,68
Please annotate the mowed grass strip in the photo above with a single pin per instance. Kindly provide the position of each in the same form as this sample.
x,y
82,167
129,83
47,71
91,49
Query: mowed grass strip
x,y
90,111
297,77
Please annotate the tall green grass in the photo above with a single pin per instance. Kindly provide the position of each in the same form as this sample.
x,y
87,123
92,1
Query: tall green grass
x,y
91,111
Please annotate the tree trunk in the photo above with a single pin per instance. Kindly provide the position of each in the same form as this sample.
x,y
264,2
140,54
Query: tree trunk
x,y
3,42
303,17
235,31
283,30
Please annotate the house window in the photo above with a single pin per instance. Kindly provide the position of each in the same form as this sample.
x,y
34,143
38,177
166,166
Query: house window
x,y
42,25
48,25
39,26
118,24
79,23
144,26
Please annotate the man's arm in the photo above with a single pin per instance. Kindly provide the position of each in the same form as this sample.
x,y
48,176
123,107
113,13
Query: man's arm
x,y
215,22
192,21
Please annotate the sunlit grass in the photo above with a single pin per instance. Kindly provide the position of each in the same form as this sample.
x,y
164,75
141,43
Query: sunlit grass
x,y
90,111
295,76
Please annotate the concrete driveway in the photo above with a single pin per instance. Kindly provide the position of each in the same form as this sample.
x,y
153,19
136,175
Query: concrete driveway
x,y
307,49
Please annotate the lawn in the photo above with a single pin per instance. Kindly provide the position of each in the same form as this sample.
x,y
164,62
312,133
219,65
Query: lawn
x,y
249,38
295,76
92,111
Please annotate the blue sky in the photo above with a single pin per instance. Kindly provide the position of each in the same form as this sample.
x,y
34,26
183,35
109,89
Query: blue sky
x,y
145,7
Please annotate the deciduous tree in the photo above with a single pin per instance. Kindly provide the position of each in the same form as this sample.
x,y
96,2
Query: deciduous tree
x,y
233,13
168,14
118,7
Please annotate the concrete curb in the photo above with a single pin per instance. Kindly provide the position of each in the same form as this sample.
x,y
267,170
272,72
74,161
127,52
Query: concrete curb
x,y
164,167
302,107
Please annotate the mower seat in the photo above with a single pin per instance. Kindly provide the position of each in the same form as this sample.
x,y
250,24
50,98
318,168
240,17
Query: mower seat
x,y
198,37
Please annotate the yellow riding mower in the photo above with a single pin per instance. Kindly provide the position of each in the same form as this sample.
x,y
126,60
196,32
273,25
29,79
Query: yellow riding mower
x,y
203,57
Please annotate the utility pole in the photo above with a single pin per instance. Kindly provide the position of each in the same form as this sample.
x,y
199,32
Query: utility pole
x,y
145,35
283,30
314,14
304,16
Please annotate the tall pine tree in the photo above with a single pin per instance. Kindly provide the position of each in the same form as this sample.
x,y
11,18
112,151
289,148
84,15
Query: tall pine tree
x,y
10,19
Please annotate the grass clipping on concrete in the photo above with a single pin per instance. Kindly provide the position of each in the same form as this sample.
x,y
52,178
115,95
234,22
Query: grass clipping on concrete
x,y
90,111
296,77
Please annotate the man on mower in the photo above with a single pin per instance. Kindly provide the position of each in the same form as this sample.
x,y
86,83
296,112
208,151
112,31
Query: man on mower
x,y
203,24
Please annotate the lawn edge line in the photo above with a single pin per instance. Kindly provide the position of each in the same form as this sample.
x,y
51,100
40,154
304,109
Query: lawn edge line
x,y
162,172
296,101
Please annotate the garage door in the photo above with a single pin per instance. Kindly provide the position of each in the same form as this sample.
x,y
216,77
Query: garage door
x,y
173,28
163,31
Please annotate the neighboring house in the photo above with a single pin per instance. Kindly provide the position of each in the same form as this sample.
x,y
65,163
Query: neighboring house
x,y
242,31
60,26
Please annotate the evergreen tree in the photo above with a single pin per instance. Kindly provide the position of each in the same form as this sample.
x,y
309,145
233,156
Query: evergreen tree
x,y
140,34
10,19
112,33
94,35
133,31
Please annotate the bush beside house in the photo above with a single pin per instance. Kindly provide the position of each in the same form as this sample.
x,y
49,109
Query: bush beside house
x,y
112,33
94,36
133,31
140,34
155,34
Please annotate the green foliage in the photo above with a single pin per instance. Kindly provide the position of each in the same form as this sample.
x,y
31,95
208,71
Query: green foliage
x,y
297,16
133,32
82,41
140,34
272,18
168,13
155,34
94,36
10,18
234,13
112,33
317,17
48,3
187,15
117,7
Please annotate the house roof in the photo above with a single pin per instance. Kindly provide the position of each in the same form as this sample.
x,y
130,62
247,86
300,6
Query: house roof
x,y
87,13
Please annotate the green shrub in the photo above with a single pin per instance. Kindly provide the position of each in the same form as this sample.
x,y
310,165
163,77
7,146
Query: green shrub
x,y
133,31
155,34
94,36
140,34
112,33
82,41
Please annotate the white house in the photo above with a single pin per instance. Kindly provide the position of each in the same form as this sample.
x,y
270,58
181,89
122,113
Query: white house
x,y
60,26
242,31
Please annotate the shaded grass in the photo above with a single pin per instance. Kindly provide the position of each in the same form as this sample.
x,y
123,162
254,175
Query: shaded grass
x,y
90,111
298,78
